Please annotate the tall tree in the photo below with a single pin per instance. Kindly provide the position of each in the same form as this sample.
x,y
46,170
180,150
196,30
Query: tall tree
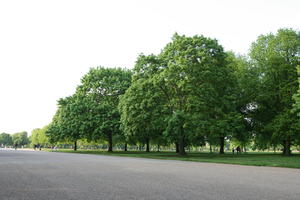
x,y
247,81
197,83
277,56
296,105
101,89
142,112
296,96
68,122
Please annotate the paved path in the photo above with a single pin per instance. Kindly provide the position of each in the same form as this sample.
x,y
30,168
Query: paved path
x,y
29,175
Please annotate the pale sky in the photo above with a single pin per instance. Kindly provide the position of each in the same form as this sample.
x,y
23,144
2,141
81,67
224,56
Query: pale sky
x,y
47,46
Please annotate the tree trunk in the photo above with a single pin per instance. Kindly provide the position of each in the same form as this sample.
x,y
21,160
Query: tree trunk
x,y
287,147
75,145
125,146
177,147
158,146
222,141
181,146
147,145
110,143
210,148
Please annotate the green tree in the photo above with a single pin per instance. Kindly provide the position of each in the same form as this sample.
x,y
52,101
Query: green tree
x,y
20,139
296,105
38,136
296,96
142,112
198,85
69,122
101,89
5,139
247,81
53,130
277,56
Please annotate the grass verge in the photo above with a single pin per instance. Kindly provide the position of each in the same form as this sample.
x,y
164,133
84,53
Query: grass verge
x,y
254,159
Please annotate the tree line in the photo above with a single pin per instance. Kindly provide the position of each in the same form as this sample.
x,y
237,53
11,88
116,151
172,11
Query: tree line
x,y
192,93
21,139
17,139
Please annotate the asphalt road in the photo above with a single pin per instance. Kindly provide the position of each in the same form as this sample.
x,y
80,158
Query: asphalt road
x,y
29,175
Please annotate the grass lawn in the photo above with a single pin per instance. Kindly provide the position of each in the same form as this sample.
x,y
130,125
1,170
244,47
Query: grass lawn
x,y
255,159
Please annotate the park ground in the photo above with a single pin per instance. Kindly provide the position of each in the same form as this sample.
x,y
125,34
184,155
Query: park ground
x,y
34,175
252,158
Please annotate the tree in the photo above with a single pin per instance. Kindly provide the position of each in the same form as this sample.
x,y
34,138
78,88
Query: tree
x,y
38,136
5,139
277,56
191,83
247,81
69,122
20,139
142,112
101,89
198,85
296,105
296,96
53,130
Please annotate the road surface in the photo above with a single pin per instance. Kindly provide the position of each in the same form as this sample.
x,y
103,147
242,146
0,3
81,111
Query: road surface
x,y
35,175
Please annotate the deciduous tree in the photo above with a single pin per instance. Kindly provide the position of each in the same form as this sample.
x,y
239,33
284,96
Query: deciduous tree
x,y
277,56
101,89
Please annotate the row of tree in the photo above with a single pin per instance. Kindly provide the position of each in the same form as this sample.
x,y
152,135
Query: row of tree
x,y
191,94
17,139
21,139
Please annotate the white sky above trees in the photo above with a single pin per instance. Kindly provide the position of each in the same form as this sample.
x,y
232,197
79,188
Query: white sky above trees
x,y
47,46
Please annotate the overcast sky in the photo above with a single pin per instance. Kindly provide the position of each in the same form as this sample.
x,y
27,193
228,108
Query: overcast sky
x,y
47,46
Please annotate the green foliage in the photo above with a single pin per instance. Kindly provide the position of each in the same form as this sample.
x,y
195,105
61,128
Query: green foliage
x,y
38,136
92,112
5,139
99,92
67,122
20,139
247,81
53,131
277,57
189,94
189,84
296,106
296,97
200,87
142,107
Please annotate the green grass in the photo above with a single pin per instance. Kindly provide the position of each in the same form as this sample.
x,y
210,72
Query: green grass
x,y
255,159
